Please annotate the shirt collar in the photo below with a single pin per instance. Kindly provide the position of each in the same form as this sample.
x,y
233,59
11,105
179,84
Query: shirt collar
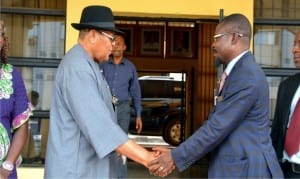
x,y
231,64
110,60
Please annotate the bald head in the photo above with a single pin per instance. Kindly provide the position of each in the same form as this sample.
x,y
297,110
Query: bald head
x,y
237,23
232,37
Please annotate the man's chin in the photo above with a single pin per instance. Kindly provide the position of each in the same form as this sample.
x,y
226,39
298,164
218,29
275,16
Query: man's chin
x,y
101,60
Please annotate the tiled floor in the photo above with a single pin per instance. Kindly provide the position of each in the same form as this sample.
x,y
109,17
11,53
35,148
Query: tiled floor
x,y
30,172
134,171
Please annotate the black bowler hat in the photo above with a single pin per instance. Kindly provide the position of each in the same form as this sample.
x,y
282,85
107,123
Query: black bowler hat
x,y
97,17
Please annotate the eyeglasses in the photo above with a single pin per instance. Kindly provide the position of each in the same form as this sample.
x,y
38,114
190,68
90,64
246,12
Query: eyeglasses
x,y
217,36
111,37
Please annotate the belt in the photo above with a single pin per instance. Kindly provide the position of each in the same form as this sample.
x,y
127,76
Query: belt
x,y
292,166
123,102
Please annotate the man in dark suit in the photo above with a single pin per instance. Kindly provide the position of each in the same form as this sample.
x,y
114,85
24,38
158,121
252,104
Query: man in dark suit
x,y
236,133
287,98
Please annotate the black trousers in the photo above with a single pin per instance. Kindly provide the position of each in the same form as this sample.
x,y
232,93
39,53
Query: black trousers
x,y
290,170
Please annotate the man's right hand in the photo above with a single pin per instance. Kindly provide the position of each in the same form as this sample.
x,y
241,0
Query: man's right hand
x,y
163,165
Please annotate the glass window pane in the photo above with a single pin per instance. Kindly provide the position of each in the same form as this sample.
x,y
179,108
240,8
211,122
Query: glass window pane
x,y
34,150
277,9
273,89
40,80
273,45
35,36
52,4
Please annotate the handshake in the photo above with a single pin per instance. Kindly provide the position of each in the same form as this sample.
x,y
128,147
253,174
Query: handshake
x,y
161,163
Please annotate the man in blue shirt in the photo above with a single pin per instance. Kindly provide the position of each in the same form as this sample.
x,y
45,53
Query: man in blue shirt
x,y
122,79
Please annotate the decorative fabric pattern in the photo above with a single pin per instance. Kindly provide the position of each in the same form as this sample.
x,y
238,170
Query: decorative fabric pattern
x,y
6,88
4,146
23,117
4,143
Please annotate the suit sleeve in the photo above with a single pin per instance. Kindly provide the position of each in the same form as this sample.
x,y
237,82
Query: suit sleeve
x,y
222,121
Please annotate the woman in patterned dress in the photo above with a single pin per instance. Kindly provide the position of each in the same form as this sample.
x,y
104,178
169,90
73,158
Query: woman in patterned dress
x,y
15,110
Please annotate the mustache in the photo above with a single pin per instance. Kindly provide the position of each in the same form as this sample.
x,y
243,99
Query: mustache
x,y
214,50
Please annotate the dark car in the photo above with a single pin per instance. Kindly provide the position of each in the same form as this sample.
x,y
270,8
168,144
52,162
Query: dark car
x,y
163,109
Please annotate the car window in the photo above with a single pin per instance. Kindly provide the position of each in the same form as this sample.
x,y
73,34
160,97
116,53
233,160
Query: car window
x,y
160,88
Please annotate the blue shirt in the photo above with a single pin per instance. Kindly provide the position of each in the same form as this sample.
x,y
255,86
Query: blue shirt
x,y
123,82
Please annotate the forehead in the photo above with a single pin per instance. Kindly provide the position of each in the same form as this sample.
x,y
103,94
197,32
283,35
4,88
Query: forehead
x,y
220,28
119,38
297,38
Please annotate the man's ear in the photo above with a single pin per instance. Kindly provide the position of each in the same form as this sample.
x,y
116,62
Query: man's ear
x,y
92,36
235,38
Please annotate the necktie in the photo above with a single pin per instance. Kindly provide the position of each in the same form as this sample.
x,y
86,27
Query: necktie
x,y
223,77
292,138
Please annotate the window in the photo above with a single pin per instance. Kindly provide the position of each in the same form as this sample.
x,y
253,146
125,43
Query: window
x,y
40,80
38,36
273,45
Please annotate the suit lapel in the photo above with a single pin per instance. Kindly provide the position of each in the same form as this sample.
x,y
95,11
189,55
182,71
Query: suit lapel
x,y
228,78
289,92
286,98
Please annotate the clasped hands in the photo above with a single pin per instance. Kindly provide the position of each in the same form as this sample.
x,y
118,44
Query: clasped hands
x,y
163,163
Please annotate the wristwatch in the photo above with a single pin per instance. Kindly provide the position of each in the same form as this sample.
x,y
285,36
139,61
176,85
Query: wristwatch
x,y
8,165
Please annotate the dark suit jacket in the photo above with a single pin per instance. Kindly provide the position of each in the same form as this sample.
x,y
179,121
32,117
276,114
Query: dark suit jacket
x,y
286,91
237,130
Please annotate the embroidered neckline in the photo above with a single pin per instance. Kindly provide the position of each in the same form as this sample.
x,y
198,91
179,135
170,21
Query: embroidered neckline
x,y
6,85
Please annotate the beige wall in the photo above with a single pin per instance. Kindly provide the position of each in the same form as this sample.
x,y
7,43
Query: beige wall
x,y
157,8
